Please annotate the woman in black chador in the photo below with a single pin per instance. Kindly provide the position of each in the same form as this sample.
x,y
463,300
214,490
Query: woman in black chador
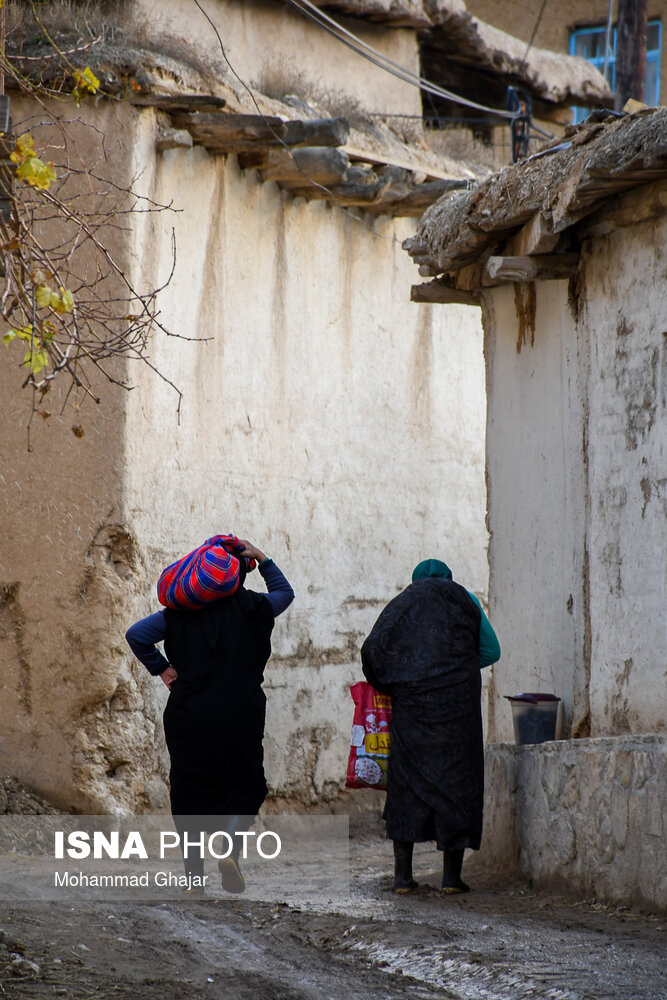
x,y
426,650
214,718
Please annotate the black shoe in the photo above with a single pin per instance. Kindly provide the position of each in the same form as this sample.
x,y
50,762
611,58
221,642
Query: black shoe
x,y
402,888
403,880
455,887
451,873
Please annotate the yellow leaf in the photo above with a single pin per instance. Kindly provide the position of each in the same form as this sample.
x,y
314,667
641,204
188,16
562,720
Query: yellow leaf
x,y
24,147
43,296
91,80
67,300
86,83
31,169
22,332
40,360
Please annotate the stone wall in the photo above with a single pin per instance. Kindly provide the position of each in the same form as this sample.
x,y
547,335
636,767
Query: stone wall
x,y
581,817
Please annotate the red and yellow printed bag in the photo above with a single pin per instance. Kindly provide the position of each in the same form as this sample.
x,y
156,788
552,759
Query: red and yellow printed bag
x,y
370,741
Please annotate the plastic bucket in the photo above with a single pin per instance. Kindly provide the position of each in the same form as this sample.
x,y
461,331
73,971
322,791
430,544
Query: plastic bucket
x,y
534,717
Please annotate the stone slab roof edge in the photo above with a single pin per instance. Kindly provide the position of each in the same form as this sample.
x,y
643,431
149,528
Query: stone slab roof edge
x,y
447,24
564,182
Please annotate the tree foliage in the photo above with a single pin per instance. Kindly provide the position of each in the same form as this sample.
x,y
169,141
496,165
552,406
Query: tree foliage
x,y
68,301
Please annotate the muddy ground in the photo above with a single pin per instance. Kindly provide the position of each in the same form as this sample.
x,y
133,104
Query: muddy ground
x,y
497,943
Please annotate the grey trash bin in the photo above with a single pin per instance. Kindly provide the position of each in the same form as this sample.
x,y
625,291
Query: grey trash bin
x,y
534,717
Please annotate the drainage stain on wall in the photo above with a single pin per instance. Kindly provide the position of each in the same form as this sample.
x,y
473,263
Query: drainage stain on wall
x,y
525,302
12,630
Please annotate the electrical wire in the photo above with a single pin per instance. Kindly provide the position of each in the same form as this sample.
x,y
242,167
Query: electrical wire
x,y
281,141
366,51
535,30
455,119
405,74
607,38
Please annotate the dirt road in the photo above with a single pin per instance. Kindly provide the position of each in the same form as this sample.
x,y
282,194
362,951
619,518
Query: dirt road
x,y
493,944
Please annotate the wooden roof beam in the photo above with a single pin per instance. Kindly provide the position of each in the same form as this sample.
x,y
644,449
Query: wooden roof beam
x,y
535,237
229,133
178,102
300,167
545,267
439,292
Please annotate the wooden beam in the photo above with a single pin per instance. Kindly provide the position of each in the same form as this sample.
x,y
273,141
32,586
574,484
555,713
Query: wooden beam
x,y
383,190
470,278
318,132
638,205
178,102
408,157
227,133
223,133
536,237
359,187
548,267
429,270
295,169
423,195
437,292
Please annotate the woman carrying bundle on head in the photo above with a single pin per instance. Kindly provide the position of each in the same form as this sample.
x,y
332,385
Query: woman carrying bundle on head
x,y
217,640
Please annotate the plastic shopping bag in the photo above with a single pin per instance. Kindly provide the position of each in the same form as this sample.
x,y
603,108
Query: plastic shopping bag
x,y
370,741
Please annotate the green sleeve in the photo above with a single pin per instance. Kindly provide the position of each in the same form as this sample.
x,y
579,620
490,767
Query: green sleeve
x,y
488,650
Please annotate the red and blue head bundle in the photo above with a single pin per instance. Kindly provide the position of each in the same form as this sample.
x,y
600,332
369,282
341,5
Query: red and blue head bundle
x,y
208,573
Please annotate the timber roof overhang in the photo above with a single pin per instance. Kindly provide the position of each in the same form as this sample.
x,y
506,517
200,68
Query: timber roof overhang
x,y
351,162
526,222
451,33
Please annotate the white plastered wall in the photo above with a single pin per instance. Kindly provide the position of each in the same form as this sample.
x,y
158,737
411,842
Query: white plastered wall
x,y
627,311
329,419
575,448
277,51
536,501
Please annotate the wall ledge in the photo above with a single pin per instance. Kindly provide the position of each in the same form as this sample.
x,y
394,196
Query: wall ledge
x,y
582,817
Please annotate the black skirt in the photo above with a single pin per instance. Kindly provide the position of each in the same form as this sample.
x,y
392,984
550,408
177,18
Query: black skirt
x,y
214,718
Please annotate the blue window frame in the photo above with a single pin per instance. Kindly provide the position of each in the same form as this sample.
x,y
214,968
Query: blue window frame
x,y
590,42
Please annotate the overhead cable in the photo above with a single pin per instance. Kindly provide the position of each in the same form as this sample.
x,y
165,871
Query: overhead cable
x,y
607,38
322,187
535,29
367,51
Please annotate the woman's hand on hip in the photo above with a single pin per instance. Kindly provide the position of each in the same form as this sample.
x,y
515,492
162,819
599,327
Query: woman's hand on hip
x,y
169,676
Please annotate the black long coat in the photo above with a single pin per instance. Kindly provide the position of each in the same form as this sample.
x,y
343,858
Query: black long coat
x,y
422,651
214,718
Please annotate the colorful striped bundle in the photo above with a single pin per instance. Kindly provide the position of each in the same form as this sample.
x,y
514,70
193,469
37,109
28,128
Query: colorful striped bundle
x,y
204,575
